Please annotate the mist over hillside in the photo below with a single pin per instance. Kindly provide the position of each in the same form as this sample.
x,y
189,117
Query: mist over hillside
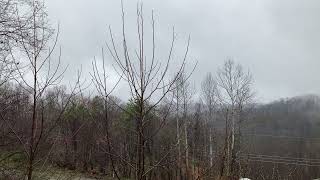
x,y
113,92
284,134
297,116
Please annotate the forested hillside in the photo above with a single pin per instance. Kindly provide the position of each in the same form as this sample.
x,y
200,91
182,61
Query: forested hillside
x,y
283,137
167,129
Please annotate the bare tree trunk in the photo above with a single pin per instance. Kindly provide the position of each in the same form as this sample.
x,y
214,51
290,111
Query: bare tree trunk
x,y
187,147
210,147
34,108
32,138
232,143
108,136
140,139
179,144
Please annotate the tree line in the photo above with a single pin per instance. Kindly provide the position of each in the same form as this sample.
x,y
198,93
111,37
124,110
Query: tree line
x,y
162,132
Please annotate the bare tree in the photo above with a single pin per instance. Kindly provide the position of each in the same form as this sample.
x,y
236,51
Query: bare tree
x,y
234,91
209,97
177,97
186,91
100,81
147,80
37,63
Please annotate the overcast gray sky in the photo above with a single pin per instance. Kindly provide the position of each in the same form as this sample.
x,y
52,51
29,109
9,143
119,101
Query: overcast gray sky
x,y
278,40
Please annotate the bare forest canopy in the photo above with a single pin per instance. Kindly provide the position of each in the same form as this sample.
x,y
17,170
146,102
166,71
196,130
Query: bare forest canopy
x,y
50,130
